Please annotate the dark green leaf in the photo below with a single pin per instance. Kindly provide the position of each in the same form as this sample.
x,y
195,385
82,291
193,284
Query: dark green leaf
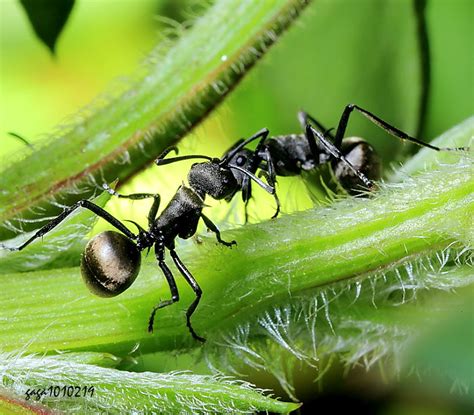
x,y
48,18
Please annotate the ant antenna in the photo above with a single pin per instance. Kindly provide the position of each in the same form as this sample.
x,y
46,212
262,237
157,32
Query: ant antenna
x,y
266,187
168,150
162,162
263,133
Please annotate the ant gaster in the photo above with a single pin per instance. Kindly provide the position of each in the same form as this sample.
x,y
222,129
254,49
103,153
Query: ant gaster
x,y
111,260
354,161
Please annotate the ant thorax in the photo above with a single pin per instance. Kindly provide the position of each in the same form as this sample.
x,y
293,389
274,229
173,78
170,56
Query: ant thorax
x,y
180,217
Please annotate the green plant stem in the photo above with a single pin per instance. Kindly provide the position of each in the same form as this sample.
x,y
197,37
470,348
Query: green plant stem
x,y
166,98
272,262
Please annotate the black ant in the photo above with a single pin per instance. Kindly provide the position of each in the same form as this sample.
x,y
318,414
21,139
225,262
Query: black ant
x,y
242,159
111,260
354,161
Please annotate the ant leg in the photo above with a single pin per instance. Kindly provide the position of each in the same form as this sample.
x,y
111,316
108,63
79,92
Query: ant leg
x,y
246,188
262,134
334,152
272,183
341,129
153,210
197,290
214,229
303,118
264,186
270,174
160,256
139,196
66,212
133,196
246,211
246,196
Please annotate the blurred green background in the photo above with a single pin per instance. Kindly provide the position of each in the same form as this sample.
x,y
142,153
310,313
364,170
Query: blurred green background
x,y
339,52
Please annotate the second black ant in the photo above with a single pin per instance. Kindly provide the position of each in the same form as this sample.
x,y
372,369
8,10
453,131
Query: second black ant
x,y
355,163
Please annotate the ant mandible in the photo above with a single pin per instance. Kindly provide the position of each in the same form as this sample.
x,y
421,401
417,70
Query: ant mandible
x,y
111,260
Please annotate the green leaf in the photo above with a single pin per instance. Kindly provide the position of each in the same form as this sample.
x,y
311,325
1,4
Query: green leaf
x,y
119,392
48,18
272,262
165,99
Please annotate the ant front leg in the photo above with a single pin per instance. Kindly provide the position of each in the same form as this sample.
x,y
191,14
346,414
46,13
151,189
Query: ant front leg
x,y
66,212
246,211
133,196
197,290
214,229
160,256
139,196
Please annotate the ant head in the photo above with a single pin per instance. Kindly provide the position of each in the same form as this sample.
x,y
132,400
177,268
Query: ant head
x,y
213,179
247,160
110,264
244,158
364,158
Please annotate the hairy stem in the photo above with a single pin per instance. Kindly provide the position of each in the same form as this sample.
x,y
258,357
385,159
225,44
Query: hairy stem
x,y
272,262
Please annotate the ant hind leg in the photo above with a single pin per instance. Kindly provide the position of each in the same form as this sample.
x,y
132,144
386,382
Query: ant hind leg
x,y
390,129
67,211
197,290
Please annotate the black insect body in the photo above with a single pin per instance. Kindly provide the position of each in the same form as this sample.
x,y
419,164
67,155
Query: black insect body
x,y
355,164
240,164
354,161
111,260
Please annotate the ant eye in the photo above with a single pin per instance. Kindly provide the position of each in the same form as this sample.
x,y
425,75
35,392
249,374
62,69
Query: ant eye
x,y
241,160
